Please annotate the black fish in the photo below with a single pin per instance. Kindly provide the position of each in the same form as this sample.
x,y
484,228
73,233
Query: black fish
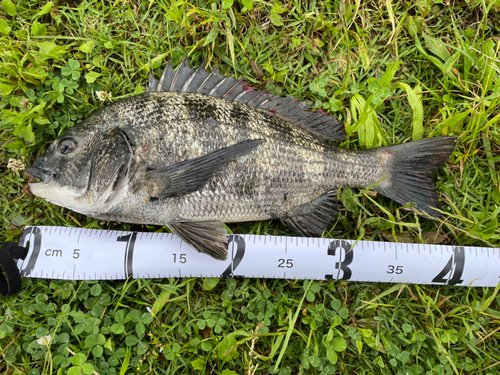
x,y
198,150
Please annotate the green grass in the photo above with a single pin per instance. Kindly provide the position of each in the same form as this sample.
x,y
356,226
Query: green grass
x,y
391,70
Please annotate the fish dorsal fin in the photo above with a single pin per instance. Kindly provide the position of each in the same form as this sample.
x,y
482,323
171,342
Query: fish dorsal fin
x,y
199,81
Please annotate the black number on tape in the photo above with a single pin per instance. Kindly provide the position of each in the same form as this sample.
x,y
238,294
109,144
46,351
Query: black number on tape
x,y
395,269
344,264
36,241
182,258
236,255
454,267
129,252
282,263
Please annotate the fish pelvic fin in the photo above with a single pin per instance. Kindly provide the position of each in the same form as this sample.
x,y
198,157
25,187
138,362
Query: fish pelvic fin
x,y
208,237
313,218
408,180
198,81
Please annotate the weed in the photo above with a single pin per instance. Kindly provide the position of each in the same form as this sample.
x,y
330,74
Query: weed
x,y
391,70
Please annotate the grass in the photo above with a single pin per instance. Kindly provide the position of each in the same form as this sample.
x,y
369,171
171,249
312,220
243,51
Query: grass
x,y
391,70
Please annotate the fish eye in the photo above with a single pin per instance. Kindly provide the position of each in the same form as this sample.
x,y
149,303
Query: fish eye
x,y
66,146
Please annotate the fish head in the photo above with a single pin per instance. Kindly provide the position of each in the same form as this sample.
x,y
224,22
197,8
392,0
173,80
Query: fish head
x,y
83,169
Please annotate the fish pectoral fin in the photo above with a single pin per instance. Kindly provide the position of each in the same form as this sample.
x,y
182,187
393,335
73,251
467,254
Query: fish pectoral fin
x,y
208,237
313,218
191,175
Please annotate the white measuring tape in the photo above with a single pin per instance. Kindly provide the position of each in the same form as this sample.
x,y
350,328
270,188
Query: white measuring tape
x,y
91,254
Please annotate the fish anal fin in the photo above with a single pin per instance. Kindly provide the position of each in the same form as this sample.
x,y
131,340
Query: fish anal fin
x,y
188,176
313,218
208,237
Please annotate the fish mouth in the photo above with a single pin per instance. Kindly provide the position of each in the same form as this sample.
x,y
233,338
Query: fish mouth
x,y
42,174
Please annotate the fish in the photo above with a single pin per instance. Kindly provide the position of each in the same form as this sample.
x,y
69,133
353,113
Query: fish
x,y
199,149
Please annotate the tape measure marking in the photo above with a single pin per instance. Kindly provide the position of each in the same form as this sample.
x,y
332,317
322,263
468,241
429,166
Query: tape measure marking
x,y
93,254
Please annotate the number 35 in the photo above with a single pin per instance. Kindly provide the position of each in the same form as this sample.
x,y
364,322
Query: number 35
x,y
395,269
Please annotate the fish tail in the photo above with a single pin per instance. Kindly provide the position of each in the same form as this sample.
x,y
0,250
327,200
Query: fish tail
x,y
407,180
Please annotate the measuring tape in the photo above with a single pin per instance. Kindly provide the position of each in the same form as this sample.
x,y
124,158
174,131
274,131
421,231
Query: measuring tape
x,y
92,254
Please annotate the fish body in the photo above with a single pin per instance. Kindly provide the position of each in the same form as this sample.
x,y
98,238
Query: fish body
x,y
199,150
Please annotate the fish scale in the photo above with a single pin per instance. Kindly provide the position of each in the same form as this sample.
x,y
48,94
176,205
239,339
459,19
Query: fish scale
x,y
199,150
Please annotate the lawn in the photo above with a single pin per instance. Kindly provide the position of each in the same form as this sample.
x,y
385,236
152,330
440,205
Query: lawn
x,y
391,70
